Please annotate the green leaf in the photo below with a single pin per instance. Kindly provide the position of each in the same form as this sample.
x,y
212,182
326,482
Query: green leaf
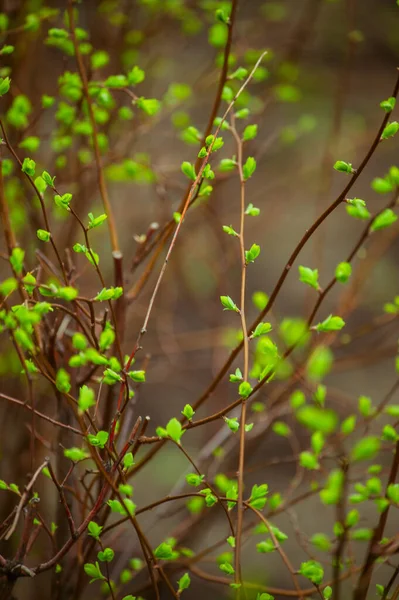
x,y
343,167
150,106
261,329
31,143
99,439
392,411
227,164
285,92
138,376
390,130
58,33
188,412
317,441
281,428
389,434
260,300
29,281
243,113
386,218
321,541
366,448
365,406
222,16
249,168
252,210
94,530
327,592
174,430
227,568
382,185
117,507
313,571
240,74
164,552
250,132
86,398
362,535
309,276
189,170
17,260
330,324
4,85
63,381
135,76
215,143
184,582
343,271
67,293
217,35
6,50
232,424
237,376
128,460
388,105
393,492
63,201
29,167
48,179
43,235
265,546
308,460
229,230
228,304
99,59
116,81
252,253
96,221
245,389
109,294
194,479
357,208
93,571
47,101
348,425
75,454
106,555
317,419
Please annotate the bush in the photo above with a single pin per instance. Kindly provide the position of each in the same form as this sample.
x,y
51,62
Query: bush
x,y
98,139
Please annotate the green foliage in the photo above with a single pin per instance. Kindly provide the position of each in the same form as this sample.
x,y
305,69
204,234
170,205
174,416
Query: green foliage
x,y
66,320
366,449
386,218
390,130
249,168
228,304
94,530
317,419
93,571
330,324
343,272
309,276
343,167
252,253
313,571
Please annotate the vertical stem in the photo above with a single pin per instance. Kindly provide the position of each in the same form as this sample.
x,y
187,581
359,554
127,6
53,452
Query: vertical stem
x,y
363,585
97,154
241,459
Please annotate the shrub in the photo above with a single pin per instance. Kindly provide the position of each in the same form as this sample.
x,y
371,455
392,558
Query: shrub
x,y
87,328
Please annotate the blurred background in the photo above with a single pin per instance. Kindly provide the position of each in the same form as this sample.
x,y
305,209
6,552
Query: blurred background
x,y
315,100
